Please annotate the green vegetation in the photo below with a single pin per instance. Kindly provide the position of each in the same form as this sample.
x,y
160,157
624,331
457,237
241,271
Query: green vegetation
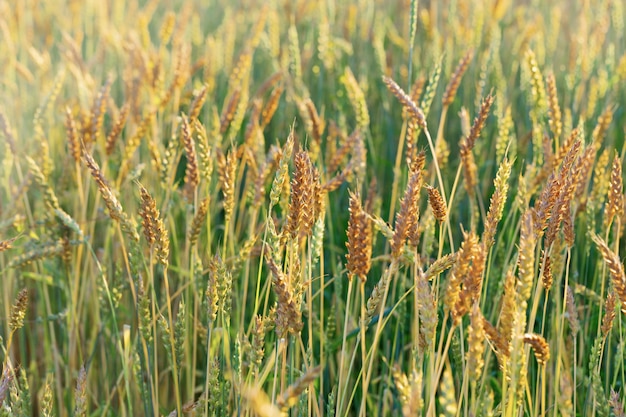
x,y
341,208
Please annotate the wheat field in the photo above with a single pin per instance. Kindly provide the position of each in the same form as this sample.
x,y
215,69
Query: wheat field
x,y
312,208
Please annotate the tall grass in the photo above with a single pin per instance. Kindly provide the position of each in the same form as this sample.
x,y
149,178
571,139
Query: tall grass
x,y
351,208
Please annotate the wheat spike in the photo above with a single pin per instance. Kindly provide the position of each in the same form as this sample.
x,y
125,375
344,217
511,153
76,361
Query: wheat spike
x,y
407,214
198,221
540,347
615,205
408,104
18,311
526,257
455,80
496,205
476,343
437,204
153,226
554,111
616,269
72,135
609,313
289,397
359,240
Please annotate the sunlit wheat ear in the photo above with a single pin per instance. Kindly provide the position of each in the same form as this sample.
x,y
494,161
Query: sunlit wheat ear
x,y
116,130
616,269
554,111
501,346
192,176
318,125
476,343
472,283
478,125
427,306
538,88
71,132
271,105
417,88
288,314
455,80
198,221
258,401
440,265
291,395
97,112
540,347
436,204
359,240
7,244
604,120
148,213
199,98
407,216
227,170
7,132
409,391
609,313
153,226
496,205
346,144
357,99
18,311
507,313
447,394
50,198
112,203
526,257
615,205
546,276
465,256
375,298
404,99
228,112
301,202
